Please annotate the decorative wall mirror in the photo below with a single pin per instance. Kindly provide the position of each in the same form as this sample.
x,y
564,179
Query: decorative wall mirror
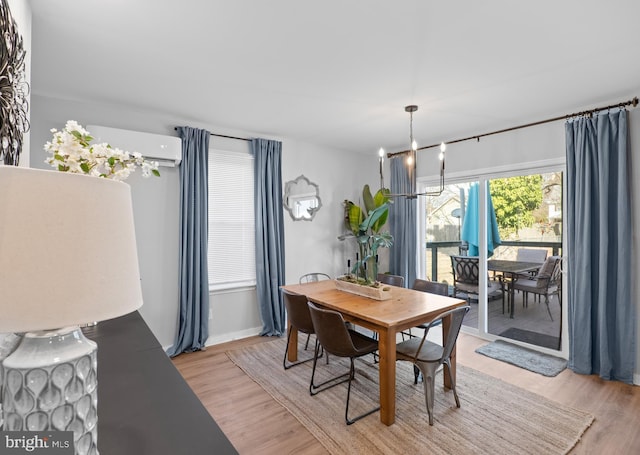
x,y
302,198
14,89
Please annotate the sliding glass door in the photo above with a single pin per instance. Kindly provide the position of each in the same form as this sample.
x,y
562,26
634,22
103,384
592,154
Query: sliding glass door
x,y
508,232
529,216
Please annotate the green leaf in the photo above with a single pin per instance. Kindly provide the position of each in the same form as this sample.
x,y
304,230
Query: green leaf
x,y
155,172
369,204
112,161
382,196
355,218
85,167
373,217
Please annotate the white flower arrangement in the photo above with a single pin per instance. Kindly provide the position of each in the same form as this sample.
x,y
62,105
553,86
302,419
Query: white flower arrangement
x,y
71,151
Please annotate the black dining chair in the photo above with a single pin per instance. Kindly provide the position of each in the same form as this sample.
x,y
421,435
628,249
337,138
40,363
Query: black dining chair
x,y
393,280
428,356
335,338
299,319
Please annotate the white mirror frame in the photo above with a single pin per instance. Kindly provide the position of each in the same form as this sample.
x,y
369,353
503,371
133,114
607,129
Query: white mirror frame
x,y
301,198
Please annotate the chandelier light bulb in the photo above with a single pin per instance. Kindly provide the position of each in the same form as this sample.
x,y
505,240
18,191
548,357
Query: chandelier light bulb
x,y
443,147
409,160
414,145
381,152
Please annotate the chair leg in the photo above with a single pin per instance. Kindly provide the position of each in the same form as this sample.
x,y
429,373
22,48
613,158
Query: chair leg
x,y
429,391
428,373
447,363
286,352
315,389
546,302
352,372
416,374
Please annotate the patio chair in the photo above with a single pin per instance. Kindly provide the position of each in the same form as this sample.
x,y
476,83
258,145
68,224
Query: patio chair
x,y
531,255
546,283
466,275
337,339
428,356
392,280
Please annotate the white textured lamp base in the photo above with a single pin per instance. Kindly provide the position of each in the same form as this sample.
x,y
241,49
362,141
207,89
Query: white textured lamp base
x,y
50,383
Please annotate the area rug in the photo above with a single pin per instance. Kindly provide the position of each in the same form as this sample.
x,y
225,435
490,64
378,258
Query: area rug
x,y
527,336
529,359
494,418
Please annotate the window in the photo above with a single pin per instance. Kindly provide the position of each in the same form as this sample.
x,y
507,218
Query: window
x,y
231,220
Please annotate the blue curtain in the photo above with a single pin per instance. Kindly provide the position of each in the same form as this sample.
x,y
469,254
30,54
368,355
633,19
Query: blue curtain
x,y
402,224
601,310
470,226
269,234
193,329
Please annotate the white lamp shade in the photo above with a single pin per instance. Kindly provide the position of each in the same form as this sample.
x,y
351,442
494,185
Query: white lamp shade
x,y
67,250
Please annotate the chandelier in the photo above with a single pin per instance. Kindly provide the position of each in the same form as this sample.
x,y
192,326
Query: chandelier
x,y
411,163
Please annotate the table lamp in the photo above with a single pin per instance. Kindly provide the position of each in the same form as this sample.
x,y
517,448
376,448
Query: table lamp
x,y
67,258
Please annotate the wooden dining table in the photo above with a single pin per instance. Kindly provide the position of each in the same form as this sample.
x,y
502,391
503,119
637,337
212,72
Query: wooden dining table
x,y
407,308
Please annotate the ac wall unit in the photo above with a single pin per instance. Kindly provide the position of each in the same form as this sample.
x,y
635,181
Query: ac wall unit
x,y
166,150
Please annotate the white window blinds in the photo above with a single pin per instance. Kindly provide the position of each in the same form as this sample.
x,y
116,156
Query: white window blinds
x,y
231,256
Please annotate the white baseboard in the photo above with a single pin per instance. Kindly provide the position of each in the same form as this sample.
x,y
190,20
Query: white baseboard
x,y
636,378
226,337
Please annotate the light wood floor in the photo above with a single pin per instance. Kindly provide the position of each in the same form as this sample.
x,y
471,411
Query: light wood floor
x,y
257,424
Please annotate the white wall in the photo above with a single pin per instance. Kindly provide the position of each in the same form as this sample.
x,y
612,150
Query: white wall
x,y
312,246
309,245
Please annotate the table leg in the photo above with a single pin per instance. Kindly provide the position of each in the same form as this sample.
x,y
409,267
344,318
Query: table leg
x,y
512,294
292,353
446,325
387,369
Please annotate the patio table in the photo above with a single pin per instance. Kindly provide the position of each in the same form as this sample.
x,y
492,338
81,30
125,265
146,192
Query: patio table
x,y
511,270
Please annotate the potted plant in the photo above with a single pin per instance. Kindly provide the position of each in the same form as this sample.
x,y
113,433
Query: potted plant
x,y
366,223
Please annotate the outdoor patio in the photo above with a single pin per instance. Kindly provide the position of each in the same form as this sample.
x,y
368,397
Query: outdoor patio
x,y
530,324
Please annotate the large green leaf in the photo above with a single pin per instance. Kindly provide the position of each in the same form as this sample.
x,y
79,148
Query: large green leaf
x,y
373,217
382,196
367,198
355,218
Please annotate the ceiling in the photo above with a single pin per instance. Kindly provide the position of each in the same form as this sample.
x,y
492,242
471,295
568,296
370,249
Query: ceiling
x,y
339,72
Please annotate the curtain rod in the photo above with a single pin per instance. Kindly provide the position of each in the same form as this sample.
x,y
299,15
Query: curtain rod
x,y
222,135
632,102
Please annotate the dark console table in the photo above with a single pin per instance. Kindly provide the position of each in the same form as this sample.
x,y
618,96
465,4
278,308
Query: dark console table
x,y
144,404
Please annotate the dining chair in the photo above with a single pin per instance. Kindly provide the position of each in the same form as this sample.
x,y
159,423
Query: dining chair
x,y
299,319
313,277
428,356
392,280
431,287
335,338
466,276
546,283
